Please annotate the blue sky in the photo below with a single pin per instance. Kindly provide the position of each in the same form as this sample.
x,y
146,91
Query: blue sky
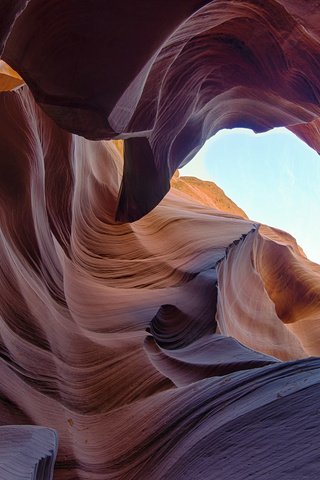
x,y
274,177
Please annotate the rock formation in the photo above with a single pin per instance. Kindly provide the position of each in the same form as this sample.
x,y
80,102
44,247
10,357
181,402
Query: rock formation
x,y
206,193
27,452
176,346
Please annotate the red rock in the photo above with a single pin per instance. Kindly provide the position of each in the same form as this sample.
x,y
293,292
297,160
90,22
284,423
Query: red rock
x,y
117,335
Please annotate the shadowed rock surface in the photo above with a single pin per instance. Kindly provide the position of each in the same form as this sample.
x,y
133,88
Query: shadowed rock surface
x,y
199,66
181,345
27,452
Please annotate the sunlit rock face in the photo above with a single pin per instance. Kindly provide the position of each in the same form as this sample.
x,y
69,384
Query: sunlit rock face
x,y
9,79
206,193
177,346
275,292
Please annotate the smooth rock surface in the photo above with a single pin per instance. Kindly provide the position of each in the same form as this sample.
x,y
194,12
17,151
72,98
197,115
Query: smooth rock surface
x,y
176,346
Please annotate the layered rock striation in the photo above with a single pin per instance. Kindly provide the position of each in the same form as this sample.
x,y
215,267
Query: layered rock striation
x,y
199,66
183,344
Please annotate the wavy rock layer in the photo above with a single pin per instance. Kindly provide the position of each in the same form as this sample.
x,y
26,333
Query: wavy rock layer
x,y
27,452
199,66
117,335
79,291
267,291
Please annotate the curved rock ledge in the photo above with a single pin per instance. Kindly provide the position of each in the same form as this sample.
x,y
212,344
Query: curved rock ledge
x,y
199,66
27,452
117,335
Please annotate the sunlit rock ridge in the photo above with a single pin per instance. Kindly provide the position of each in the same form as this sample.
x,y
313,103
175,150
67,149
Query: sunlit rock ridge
x,y
206,193
146,334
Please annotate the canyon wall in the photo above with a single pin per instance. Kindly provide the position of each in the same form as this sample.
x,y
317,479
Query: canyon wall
x,y
146,335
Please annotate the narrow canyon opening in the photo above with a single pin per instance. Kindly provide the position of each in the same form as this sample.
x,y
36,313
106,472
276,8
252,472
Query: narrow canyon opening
x,y
273,176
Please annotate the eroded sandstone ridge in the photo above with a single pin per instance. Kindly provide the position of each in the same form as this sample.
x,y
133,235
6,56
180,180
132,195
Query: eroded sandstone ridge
x,y
206,193
181,345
